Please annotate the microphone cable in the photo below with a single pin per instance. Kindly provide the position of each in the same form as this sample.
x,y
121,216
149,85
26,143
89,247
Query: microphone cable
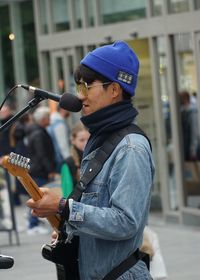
x,y
8,94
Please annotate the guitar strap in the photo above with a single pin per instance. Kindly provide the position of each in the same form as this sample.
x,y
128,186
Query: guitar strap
x,y
94,167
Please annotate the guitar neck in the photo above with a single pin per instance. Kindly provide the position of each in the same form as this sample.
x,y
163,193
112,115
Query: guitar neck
x,y
34,191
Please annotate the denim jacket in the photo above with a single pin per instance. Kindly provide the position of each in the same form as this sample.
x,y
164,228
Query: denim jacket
x,y
113,211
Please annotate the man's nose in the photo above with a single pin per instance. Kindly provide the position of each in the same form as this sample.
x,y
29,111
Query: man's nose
x,y
81,96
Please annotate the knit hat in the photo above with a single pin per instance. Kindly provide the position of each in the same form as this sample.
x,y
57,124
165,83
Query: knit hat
x,y
117,62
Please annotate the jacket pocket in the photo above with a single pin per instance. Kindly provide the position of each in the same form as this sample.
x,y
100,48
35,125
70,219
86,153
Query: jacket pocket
x,y
90,198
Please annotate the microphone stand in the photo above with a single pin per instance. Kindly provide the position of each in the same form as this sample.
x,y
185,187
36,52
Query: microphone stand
x,y
31,104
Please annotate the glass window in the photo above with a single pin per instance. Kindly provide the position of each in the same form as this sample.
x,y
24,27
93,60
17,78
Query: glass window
x,y
197,4
91,47
178,6
187,88
47,69
60,15
78,14
6,48
157,7
43,17
79,53
117,10
30,49
90,11
185,65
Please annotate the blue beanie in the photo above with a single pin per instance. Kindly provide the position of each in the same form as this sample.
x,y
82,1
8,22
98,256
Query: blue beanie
x,y
117,62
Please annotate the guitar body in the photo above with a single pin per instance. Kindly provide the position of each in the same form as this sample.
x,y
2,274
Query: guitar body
x,y
63,254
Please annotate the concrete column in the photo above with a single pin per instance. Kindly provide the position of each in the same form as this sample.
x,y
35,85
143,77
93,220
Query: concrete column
x,y
97,16
148,8
160,131
84,10
18,50
175,117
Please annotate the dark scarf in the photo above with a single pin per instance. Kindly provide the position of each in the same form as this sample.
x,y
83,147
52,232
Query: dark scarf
x,y
105,121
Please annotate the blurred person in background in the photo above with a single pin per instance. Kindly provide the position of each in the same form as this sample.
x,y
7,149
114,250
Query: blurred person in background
x,y
41,153
190,128
70,170
7,145
151,246
60,134
6,136
20,138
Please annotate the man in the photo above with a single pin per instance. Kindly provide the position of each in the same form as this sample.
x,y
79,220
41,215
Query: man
x,y
113,211
190,131
7,145
6,140
41,152
59,131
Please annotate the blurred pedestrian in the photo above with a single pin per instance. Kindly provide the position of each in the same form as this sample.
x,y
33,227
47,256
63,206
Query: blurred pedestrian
x,y
41,152
193,98
70,170
60,133
190,128
20,138
151,246
6,136
7,145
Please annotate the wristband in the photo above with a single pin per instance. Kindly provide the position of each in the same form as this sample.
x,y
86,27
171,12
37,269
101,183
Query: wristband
x,y
61,205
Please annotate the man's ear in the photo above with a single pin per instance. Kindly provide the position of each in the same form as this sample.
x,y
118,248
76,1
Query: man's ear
x,y
116,90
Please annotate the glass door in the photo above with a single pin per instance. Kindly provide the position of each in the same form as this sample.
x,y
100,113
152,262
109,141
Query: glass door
x,y
59,74
186,67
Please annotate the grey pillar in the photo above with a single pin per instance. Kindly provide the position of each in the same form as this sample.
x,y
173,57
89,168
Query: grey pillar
x,y
160,131
18,51
175,117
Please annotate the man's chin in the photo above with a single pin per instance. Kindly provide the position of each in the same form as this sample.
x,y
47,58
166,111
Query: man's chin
x,y
85,111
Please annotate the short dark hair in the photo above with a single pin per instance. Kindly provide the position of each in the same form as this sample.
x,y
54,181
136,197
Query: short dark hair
x,y
89,76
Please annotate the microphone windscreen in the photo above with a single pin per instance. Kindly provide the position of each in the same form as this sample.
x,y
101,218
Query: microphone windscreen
x,y
70,102
6,262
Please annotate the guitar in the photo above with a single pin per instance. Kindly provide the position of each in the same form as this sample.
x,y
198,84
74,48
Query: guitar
x,y
19,166
62,253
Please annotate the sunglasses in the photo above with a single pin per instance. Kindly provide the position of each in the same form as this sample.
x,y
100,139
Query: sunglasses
x,y
83,87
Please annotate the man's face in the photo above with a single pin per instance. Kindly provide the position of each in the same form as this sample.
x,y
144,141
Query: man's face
x,y
45,121
5,112
97,97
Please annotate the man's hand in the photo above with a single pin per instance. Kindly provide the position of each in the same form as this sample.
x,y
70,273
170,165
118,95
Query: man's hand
x,y
46,206
54,237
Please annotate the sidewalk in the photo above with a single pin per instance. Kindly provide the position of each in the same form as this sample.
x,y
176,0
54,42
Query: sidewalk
x,y
180,246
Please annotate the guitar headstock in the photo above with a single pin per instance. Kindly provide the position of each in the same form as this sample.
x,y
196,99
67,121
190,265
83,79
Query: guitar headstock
x,y
16,164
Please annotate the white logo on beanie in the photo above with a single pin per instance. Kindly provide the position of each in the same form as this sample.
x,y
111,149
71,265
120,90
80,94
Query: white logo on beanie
x,y
125,77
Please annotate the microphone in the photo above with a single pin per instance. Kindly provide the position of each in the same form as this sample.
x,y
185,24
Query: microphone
x,y
67,101
70,102
6,262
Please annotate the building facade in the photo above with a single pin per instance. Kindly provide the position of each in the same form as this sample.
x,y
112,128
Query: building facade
x,y
165,34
